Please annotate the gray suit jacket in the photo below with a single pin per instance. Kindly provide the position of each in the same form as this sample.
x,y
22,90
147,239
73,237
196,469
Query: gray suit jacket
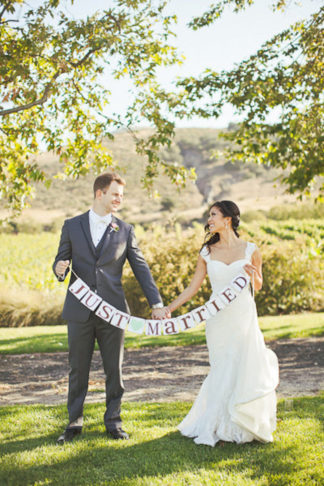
x,y
102,275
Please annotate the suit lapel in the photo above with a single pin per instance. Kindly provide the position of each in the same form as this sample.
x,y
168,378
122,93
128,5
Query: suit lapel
x,y
86,229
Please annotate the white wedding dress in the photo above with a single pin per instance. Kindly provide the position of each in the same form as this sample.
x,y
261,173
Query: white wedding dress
x,y
237,400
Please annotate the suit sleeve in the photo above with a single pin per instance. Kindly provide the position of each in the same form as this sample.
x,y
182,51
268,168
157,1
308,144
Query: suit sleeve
x,y
141,270
64,251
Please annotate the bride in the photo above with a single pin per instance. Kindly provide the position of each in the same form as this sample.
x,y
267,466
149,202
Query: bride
x,y
237,400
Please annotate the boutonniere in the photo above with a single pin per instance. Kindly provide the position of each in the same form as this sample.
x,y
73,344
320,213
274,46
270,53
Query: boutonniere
x,y
114,227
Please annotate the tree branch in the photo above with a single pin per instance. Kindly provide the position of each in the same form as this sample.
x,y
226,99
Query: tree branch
x,y
7,5
7,21
91,51
40,101
84,58
3,131
47,90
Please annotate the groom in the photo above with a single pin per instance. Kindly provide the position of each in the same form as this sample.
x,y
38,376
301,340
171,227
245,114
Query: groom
x,y
98,244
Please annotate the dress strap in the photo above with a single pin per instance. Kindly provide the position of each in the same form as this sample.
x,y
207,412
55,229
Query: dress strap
x,y
250,249
205,254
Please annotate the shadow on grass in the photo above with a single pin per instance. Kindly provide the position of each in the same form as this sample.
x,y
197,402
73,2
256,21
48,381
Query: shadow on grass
x,y
56,342
85,463
181,339
51,343
34,344
95,459
286,332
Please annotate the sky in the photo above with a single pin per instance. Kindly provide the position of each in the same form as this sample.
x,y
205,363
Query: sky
x,y
229,40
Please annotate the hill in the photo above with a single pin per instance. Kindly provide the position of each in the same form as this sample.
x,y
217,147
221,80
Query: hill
x,y
250,185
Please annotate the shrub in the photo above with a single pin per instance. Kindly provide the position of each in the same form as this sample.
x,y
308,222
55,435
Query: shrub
x,y
292,281
172,259
29,308
293,272
30,226
253,215
297,211
292,276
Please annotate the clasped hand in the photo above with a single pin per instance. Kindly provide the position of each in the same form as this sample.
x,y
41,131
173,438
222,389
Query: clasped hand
x,y
162,313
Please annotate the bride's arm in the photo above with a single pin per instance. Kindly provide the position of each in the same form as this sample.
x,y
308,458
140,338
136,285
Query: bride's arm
x,y
192,288
256,267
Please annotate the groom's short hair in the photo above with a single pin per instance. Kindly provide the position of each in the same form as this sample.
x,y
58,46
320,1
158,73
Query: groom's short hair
x,y
104,180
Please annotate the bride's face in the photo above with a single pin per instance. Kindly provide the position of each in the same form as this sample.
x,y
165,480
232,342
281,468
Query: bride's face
x,y
216,221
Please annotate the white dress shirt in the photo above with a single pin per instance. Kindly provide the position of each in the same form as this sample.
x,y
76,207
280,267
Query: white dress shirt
x,y
98,225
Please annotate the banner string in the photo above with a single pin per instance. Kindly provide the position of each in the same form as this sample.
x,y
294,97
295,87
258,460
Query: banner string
x,y
74,273
118,318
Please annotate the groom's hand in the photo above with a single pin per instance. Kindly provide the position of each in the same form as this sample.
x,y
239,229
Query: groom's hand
x,y
61,267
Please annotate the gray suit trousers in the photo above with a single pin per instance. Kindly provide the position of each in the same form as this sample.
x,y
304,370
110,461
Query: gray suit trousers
x,y
81,338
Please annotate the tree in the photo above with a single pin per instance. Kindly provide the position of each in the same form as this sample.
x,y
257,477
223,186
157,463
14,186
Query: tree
x,y
285,74
53,97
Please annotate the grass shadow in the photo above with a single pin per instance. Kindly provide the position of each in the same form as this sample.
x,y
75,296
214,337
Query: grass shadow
x,y
34,344
95,459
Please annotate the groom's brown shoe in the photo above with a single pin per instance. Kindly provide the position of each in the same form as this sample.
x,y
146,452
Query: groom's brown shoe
x,y
118,434
69,434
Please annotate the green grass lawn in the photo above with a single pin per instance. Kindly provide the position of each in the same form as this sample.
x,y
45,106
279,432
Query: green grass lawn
x,y
156,453
40,339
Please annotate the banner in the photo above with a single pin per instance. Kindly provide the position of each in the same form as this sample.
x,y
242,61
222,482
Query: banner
x,y
152,327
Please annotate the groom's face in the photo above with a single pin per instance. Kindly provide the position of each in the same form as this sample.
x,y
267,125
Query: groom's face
x,y
111,197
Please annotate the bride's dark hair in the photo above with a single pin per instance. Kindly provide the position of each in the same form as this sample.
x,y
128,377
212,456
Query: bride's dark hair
x,y
228,209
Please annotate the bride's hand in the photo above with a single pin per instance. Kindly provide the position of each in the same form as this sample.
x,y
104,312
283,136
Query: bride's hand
x,y
166,313
163,313
250,269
